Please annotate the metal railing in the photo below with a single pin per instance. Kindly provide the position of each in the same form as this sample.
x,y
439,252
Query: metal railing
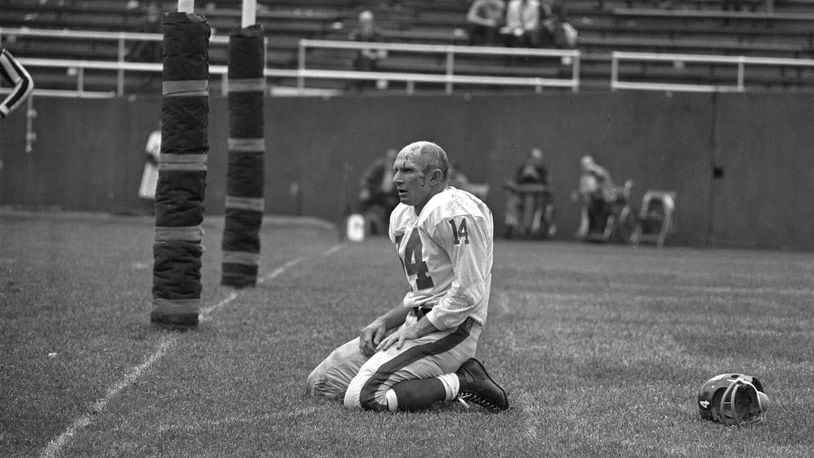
x,y
738,85
302,73
446,76
449,78
78,67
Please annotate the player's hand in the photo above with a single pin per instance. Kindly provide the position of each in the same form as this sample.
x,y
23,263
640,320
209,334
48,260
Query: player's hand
x,y
371,337
398,338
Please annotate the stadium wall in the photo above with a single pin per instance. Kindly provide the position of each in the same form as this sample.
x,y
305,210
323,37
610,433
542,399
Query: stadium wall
x,y
739,163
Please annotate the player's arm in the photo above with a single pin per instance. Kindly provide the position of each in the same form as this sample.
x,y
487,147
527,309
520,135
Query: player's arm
x,y
15,74
372,335
468,245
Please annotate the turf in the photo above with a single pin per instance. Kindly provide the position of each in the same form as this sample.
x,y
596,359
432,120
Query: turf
x,y
601,348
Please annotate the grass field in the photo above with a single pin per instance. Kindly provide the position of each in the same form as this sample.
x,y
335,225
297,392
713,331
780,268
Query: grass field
x,y
601,348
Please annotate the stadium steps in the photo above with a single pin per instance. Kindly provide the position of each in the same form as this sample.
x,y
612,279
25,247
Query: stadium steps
x,y
696,31
696,26
681,18
694,47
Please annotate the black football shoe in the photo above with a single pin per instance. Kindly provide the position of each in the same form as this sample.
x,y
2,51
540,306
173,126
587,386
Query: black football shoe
x,y
476,386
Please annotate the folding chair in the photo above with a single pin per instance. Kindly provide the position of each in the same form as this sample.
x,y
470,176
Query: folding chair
x,y
656,217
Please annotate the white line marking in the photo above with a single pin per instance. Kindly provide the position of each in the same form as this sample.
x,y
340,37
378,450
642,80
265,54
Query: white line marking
x,y
53,448
56,445
206,311
276,272
333,249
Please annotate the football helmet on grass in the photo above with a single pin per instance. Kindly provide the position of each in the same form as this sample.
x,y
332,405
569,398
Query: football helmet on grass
x,y
733,399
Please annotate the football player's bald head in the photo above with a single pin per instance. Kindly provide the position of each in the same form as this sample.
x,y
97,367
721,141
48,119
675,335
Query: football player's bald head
x,y
429,155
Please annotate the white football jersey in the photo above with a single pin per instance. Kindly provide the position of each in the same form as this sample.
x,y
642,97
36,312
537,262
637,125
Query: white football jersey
x,y
446,252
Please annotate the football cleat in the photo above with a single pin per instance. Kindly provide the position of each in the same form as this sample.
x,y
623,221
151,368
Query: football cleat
x,y
733,399
476,386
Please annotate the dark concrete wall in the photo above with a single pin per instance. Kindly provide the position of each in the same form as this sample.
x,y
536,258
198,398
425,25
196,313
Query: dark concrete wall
x,y
89,153
765,146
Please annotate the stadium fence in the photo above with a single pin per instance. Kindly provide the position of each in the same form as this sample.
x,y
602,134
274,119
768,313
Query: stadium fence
x,y
448,75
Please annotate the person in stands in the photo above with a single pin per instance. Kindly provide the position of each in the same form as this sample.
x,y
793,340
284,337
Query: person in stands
x,y
484,19
522,27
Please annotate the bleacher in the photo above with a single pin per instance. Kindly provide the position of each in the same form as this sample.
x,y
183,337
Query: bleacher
x,y
678,26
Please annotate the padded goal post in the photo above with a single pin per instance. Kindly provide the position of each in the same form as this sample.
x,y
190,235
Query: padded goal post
x,y
245,173
177,247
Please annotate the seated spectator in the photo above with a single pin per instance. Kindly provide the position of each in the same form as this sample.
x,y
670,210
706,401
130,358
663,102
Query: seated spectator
x,y
148,51
484,20
526,202
456,178
556,30
522,27
378,195
367,60
565,35
597,193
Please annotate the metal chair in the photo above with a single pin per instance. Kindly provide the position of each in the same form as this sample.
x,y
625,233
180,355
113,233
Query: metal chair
x,y
656,217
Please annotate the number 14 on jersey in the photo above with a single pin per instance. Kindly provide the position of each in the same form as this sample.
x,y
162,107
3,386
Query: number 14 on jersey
x,y
459,231
414,264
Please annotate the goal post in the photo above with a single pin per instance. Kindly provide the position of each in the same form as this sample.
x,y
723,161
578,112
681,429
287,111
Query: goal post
x,y
248,13
182,168
186,6
245,205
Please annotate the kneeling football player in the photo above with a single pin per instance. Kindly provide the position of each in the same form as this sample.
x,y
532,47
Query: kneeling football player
x,y
422,351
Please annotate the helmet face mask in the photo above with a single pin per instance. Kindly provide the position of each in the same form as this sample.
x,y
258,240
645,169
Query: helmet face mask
x,y
733,399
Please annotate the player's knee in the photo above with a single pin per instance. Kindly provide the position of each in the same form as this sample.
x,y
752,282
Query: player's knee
x,y
352,395
359,396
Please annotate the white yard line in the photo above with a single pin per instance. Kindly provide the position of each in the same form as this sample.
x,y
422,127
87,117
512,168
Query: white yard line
x,y
333,249
206,311
165,344
278,271
56,445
